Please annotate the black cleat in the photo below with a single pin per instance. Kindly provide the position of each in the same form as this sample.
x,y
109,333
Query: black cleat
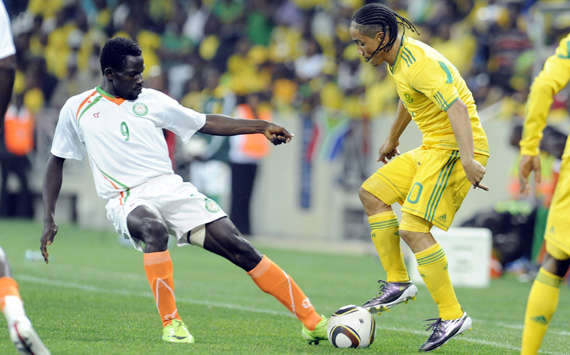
x,y
443,330
391,294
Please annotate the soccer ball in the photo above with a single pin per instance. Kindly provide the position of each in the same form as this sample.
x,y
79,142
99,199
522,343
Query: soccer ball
x,y
351,327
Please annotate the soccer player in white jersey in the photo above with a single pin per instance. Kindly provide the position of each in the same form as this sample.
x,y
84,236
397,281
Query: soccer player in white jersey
x,y
119,126
20,328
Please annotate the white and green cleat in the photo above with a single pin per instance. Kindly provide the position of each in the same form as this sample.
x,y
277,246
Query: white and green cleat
x,y
318,334
176,332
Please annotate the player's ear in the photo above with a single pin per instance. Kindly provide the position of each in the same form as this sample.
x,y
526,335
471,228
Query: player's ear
x,y
380,36
108,72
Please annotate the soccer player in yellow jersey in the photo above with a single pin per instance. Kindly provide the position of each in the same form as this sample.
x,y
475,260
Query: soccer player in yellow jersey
x,y
543,297
427,181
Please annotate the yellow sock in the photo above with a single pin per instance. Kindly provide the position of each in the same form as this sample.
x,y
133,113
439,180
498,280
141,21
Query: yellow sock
x,y
541,305
432,266
384,234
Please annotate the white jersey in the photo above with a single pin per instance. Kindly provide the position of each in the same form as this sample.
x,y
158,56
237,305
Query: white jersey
x,y
6,42
123,139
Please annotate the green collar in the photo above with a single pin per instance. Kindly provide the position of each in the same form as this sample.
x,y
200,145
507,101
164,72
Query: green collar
x,y
104,93
393,67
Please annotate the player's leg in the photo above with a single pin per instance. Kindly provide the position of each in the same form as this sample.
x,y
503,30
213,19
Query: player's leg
x,y
223,238
543,298
146,225
20,328
377,193
432,266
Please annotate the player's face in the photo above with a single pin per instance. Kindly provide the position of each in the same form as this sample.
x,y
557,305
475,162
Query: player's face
x,y
127,83
366,45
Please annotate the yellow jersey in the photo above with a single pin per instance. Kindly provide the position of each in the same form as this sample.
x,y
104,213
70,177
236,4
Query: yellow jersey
x,y
428,84
554,76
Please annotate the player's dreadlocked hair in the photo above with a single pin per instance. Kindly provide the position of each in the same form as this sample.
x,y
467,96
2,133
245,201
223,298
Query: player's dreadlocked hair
x,y
114,52
373,18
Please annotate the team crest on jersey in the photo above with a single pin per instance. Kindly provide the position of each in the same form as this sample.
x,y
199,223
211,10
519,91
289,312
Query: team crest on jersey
x,y
408,98
140,109
211,205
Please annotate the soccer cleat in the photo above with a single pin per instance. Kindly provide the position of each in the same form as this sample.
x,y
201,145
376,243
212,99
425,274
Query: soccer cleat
x,y
391,294
318,334
176,332
26,339
443,330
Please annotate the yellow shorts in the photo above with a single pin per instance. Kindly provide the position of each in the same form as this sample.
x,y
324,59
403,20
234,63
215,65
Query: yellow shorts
x,y
558,223
428,183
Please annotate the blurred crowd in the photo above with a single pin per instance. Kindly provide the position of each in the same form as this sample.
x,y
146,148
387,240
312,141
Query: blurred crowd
x,y
293,54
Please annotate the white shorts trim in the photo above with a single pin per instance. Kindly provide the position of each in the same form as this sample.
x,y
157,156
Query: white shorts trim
x,y
180,205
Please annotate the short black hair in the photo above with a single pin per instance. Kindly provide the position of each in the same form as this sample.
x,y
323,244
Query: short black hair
x,y
115,51
373,18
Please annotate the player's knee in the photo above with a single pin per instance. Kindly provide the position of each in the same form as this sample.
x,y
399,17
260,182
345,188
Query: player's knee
x,y
245,255
417,241
372,204
154,233
556,266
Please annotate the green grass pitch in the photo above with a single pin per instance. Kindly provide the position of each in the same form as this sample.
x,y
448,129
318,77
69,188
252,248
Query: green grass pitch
x,y
93,298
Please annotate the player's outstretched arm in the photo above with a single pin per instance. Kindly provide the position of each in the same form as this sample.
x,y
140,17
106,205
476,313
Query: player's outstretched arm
x,y
51,188
221,125
389,149
461,125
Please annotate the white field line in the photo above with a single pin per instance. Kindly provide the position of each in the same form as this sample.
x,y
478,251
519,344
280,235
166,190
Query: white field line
x,y
520,327
147,294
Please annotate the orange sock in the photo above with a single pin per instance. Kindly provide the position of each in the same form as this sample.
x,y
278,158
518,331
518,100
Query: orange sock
x,y
8,287
159,271
270,278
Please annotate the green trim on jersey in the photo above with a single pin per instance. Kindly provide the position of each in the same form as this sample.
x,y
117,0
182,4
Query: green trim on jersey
x,y
567,56
88,107
392,68
449,78
127,189
407,54
451,103
104,93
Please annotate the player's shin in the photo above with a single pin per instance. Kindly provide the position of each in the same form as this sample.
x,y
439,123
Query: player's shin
x,y
270,278
159,272
541,305
384,235
432,266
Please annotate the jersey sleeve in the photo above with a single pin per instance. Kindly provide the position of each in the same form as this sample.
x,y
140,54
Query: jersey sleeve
x,y
434,79
66,143
554,76
179,119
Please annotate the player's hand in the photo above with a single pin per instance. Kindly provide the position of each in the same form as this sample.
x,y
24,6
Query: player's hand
x,y
528,164
387,151
475,173
277,134
50,230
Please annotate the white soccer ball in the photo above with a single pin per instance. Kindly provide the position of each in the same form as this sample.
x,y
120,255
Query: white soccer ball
x,y
351,327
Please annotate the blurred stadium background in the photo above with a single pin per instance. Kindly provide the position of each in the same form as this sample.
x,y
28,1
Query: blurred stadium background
x,y
296,57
